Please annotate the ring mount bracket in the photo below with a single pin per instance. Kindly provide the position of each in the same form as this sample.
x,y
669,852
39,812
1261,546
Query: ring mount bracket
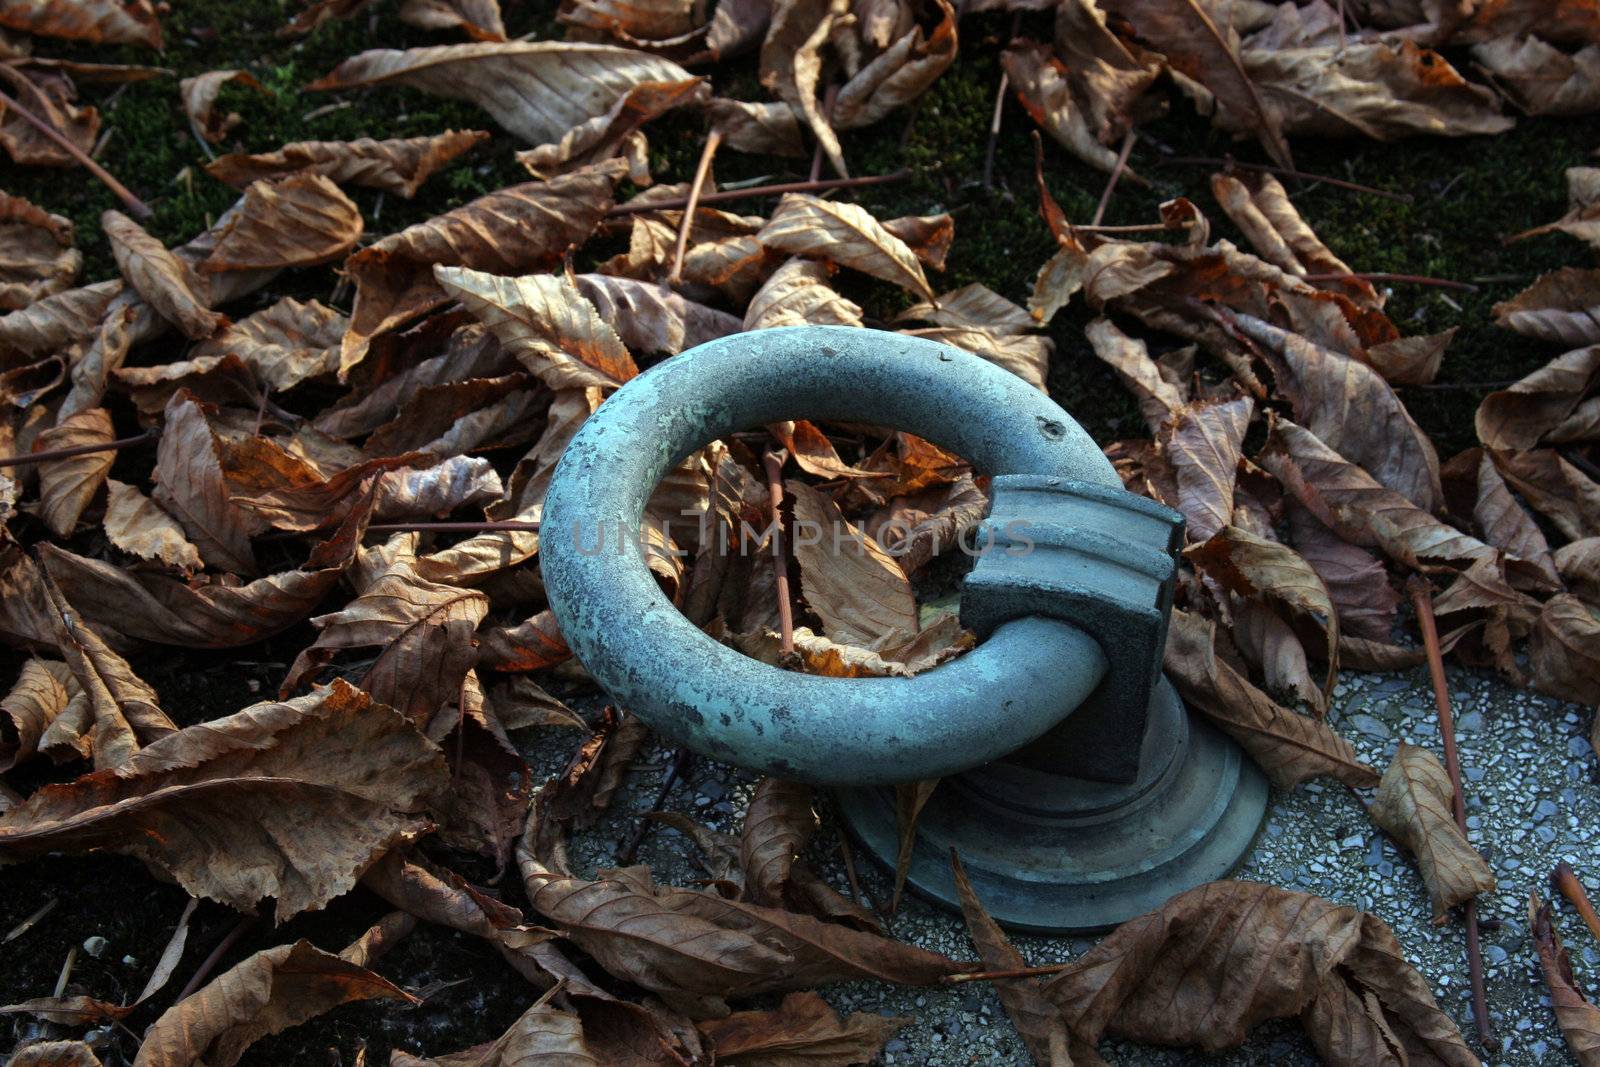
x,y
1104,560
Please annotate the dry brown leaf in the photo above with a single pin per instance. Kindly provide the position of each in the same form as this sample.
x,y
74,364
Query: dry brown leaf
x,y
1259,206
92,21
1351,409
652,318
58,320
541,1035
854,586
1215,961
1038,1021
544,322
67,485
1356,581
283,345
1353,504
478,19
1582,219
845,234
1579,565
200,100
1544,406
519,228
762,127
38,257
55,1054
1562,307
136,525
1290,747
1413,804
397,165
1409,360
803,1031
777,825
1541,79
536,89
1578,1018
1269,571
1053,97
901,73
298,221
615,132
1159,399
1565,650
798,294
424,631
268,992
792,59
1554,488
191,487
1507,525
1203,443
1202,49
40,694
163,279
288,800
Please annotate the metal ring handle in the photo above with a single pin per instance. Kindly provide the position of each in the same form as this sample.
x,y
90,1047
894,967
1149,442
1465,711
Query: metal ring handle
x,y
1027,676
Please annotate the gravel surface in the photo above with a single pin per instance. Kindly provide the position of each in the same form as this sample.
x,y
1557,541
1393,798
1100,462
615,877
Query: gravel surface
x,y
1533,799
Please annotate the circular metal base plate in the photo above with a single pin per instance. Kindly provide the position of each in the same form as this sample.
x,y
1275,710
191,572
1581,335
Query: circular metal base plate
x,y
1051,854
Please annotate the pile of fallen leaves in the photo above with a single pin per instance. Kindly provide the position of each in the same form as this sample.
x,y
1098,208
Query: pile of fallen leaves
x,y
377,465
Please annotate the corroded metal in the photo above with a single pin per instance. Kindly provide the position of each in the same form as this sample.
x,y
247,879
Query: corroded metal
x,y
1089,798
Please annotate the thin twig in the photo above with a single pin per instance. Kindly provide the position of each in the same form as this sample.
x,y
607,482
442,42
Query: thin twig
x,y
29,458
1409,279
1446,387
999,110
850,873
1565,879
682,760
210,962
1422,601
997,976
756,191
774,466
66,972
1143,227
713,139
828,98
31,921
138,207
1208,161
1116,176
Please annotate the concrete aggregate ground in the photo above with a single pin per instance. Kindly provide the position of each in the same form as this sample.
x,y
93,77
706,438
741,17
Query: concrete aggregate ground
x,y
1533,799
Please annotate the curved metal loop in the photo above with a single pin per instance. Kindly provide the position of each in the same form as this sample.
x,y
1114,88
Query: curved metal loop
x,y
1026,677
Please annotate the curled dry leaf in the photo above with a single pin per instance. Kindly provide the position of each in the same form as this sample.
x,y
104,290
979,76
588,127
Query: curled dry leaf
x,y
288,800
200,101
544,322
777,825
1159,399
298,221
55,1054
1414,805
1210,964
283,345
519,228
792,61
40,694
1203,442
1547,405
541,1035
536,89
1541,79
1259,206
1562,307
39,258
845,234
397,165
1565,650
478,19
1352,503
614,133
1196,45
163,279
761,127
1356,581
898,75
854,586
801,1031
1579,565
1039,1022
652,318
1289,747
67,485
798,294
1507,525
267,993
1578,1018
1554,488
191,487
92,21
58,320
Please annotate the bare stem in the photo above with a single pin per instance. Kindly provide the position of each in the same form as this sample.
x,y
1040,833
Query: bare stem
x,y
1565,879
1408,279
774,466
998,976
46,456
1116,176
756,191
210,962
713,139
999,110
138,207
1422,600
